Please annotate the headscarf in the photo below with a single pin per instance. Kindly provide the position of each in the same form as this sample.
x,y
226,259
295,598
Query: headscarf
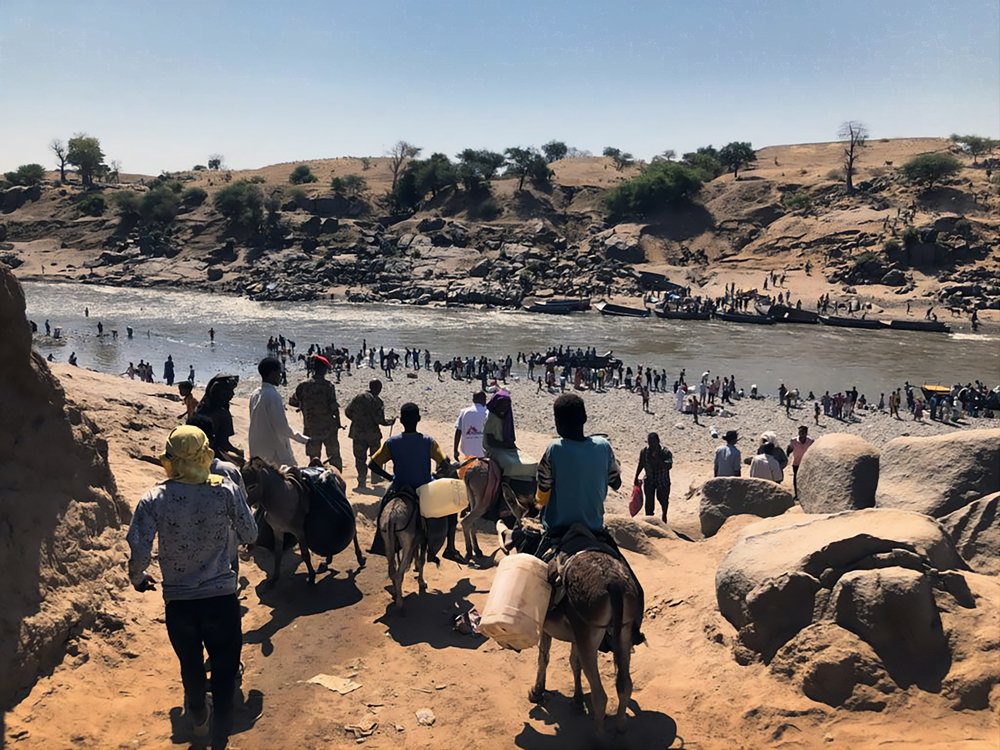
x,y
502,396
188,457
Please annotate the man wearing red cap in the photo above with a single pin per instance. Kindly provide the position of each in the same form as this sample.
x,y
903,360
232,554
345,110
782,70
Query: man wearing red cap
x,y
316,397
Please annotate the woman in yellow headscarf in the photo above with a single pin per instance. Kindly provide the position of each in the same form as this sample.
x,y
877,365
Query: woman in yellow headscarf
x,y
188,457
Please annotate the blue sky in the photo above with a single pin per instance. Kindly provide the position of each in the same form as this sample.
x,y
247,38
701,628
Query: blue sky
x,y
163,84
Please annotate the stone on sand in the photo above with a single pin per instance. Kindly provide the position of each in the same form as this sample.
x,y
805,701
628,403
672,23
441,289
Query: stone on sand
x,y
723,497
839,472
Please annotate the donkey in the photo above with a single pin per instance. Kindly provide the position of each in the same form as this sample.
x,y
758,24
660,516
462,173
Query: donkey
x,y
601,599
286,503
399,525
477,483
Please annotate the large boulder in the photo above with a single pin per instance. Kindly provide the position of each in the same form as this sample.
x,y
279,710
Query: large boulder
x,y
975,530
723,497
838,472
781,570
940,474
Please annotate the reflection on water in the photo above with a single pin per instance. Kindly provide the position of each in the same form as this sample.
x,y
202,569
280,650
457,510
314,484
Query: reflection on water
x,y
177,322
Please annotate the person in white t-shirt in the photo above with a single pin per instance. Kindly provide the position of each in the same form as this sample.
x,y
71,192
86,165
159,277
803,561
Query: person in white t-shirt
x,y
469,428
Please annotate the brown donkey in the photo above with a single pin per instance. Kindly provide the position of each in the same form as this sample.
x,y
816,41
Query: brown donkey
x,y
601,598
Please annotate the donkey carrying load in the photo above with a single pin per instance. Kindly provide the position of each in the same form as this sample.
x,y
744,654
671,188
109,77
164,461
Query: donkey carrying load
x,y
309,504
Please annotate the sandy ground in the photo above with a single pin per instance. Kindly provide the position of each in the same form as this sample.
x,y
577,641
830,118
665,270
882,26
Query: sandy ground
x,y
121,688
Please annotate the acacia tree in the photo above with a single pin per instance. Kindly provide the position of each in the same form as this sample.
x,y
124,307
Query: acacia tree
x,y
854,134
554,151
477,167
975,145
926,169
398,155
526,162
620,158
58,148
736,156
84,153
215,161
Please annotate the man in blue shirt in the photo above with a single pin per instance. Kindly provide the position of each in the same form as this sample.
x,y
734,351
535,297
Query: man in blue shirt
x,y
575,472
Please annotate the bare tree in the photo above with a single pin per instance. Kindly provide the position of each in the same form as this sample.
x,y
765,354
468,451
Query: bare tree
x,y
114,171
215,161
398,156
854,134
58,148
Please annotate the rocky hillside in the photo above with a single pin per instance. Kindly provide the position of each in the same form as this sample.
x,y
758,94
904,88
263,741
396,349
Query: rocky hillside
x,y
791,209
60,549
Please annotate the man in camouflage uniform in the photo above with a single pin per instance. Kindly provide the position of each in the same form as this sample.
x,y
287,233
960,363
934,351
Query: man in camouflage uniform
x,y
367,414
316,397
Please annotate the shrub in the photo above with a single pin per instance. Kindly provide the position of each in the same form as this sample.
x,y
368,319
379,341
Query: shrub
x,y
366,163
199,168
487,209
241,203
351,185
194,196
168,182
657,186
301,175
926,169
159,205
91,204
910,236
259,179
127,202
26,174
891,246
836,175
798,200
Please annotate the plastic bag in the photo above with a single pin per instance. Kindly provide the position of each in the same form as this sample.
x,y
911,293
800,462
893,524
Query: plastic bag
x,y
636,502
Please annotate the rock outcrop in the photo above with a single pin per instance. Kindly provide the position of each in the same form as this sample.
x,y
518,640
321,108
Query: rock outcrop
x,y
839,472
723,497
975,530
59,541
854,605
938,475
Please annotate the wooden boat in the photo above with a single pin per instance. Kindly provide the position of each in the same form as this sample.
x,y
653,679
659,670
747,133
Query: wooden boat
x,y
734,317
786,314
680,314
917,325
607,308
555,305
840,322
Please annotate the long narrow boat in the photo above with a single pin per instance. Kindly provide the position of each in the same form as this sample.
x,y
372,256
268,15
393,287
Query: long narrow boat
x,y
786,314
555,305
734,317
917,325
840,322
680,314
607,308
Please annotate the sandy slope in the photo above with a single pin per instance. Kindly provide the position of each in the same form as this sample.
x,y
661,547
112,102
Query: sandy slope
x,y
121,688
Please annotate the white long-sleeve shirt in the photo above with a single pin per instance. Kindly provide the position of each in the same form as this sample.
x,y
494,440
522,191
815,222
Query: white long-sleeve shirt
x,y
269,429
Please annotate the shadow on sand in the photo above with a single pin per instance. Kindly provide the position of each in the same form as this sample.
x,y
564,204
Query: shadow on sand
x,y
644,730
428,618
293,597
247,709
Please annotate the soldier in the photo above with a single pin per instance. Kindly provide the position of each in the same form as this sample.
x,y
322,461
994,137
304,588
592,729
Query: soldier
x,y
316,397
367,414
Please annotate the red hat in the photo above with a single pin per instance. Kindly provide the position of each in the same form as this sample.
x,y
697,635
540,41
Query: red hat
x,y
321,360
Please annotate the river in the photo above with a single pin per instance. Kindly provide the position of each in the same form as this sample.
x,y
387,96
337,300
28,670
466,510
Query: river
x,y
176,322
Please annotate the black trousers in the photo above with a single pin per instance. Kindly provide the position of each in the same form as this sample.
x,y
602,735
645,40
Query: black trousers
x,y
213,625
654,493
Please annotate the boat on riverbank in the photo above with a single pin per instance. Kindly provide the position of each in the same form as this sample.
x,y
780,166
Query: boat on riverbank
x,y
555,305
842,322
787,314
622,311
917,325
735,317
668,314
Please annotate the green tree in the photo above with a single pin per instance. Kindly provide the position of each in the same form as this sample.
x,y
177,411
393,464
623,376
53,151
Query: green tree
x,y
194,196
554,151
84,153
477,167
26,174
527,162
128,203
91,203
854,135
241,203
736,156
399,155
58,148
351,185
706,161
159,205
975,145
658,185
301,175
434,174
215,161
620,158
926,169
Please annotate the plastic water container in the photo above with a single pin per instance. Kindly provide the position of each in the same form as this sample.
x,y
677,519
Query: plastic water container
x,y
518,602
442,497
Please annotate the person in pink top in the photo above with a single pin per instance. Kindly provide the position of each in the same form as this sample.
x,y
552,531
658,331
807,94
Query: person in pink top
x,y
797,449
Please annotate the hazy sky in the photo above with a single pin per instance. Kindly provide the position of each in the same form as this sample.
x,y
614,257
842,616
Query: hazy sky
x,y
164,83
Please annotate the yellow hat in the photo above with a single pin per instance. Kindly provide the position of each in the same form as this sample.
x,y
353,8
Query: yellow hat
x,y
188,456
